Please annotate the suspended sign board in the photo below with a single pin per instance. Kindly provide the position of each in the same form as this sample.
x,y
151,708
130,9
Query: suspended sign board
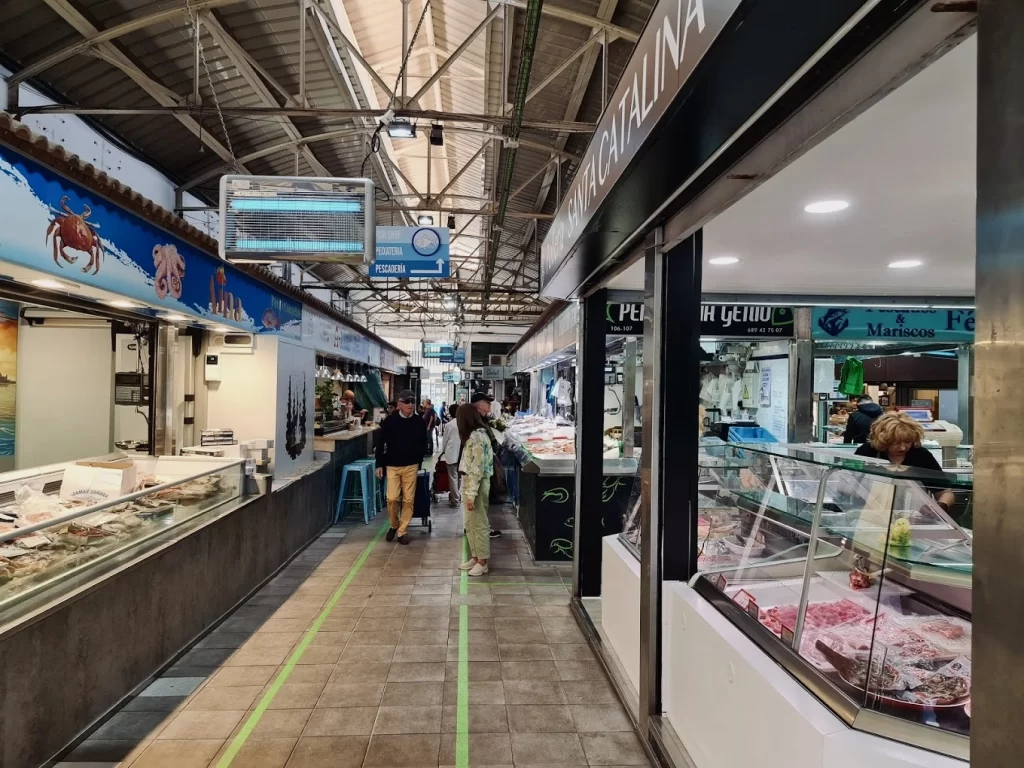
x,y
296,218
735,321
412,252
677,35
456,356
451,377
868,324
495,373
435,350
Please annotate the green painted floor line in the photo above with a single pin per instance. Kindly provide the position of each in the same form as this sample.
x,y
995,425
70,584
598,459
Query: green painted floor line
x,y
462,710
293,660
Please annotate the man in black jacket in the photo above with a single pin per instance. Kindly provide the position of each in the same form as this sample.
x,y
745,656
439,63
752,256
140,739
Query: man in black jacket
x,y
858,426
403,441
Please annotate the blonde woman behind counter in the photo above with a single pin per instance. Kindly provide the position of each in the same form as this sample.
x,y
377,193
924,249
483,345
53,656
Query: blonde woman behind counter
x,y
897,438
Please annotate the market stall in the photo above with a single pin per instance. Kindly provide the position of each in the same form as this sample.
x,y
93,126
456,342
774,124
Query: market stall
x,y
850,576
544,474
735,198
197,369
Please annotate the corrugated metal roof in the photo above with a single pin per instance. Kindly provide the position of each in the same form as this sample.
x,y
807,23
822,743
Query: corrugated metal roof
x,y
479,81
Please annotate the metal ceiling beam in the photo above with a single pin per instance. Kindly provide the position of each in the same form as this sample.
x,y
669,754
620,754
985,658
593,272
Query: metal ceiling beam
x,y
114,55
440,195
353,51
455,56
564,65
429,31
311,112
527,52
515,192
335,63
523,142
272,149
102,36
466,211
583,76
583,19
241,61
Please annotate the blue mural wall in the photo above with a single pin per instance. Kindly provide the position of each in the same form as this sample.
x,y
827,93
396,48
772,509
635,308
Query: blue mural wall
x,y
53,225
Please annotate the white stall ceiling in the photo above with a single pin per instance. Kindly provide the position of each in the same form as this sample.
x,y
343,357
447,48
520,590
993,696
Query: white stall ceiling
x,y
907,168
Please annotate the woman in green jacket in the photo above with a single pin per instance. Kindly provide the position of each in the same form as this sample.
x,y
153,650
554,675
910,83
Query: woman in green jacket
x,y
476,466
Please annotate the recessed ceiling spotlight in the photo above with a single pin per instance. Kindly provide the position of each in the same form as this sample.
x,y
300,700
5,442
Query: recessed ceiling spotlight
x,y
122,304
723,261
51,284
827,206
905,264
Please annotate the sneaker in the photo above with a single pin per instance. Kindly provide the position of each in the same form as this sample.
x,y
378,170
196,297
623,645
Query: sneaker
x,y
391,534
495,533
478,570
453,504
468,565
403,540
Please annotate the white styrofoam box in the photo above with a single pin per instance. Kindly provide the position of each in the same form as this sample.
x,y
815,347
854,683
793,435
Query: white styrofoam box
x,y
95,484
620,605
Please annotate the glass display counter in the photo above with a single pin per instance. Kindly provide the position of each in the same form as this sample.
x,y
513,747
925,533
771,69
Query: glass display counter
x,y
52,542
544,478
854,576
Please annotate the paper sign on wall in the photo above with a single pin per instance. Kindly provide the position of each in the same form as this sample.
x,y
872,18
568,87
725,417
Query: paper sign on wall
x,y
764,394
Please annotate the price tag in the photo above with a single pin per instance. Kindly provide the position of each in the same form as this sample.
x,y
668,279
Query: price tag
x,y
720,582
746,601
752,609
788,634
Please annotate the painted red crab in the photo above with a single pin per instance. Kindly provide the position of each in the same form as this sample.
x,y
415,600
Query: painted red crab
x,y
71,230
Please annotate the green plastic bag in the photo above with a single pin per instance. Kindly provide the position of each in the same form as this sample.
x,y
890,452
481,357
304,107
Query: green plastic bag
x,y
851,378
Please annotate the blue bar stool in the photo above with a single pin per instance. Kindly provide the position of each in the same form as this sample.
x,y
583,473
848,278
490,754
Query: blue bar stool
x,y
378,485
363,495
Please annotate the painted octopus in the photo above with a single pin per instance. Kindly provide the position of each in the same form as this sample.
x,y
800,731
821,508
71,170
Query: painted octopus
x,y
170,271
71,230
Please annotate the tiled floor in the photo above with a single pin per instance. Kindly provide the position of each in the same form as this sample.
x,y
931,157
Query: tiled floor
x,y
377,684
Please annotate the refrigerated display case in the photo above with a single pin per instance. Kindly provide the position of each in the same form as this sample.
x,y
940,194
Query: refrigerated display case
x,y
52,543
543,475
853,577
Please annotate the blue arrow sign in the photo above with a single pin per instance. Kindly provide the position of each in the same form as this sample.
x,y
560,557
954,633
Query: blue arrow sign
x,y
412,252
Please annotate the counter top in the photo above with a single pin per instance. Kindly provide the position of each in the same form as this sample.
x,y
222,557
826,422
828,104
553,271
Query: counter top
x,y
327,442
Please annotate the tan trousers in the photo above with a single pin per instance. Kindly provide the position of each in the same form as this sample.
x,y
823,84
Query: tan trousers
x,y
478,530
401,482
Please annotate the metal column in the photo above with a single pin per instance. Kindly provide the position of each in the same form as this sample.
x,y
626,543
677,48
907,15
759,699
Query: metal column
x,y
965,391
628,398
162,395
590,357
669,458
801,380
997,694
